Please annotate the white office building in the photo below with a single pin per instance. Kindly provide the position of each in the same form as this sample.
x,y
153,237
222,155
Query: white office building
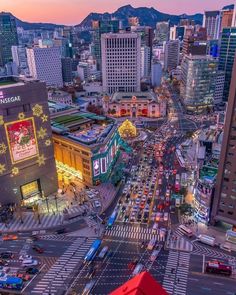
x,y
20,58
145,61
171,54
212,22
121,62
45,65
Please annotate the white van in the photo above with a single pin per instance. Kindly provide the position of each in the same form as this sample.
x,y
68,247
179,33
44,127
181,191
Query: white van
x,y
103,252
155,228
30,262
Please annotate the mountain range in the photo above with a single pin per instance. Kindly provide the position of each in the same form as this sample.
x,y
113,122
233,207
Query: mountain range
x,y
147,16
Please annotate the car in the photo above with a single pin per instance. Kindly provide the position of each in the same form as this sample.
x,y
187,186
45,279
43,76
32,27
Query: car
x,y
166,216
154,255
24,276
6,255
3,262
132,264
37,248
97,204
158,216
10,237
103,252
30,262
138,268
88,287
61,231
24,257
32,270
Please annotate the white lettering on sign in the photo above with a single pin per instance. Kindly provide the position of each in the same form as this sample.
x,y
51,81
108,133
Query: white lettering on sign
x,y
10,99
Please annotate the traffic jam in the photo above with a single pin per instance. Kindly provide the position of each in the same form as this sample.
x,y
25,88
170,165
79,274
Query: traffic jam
x,y
146,197
18,270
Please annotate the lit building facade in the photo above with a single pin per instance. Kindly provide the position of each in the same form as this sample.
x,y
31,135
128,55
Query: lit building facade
x,y
171,54
8,37
226,56
86,146
224,205
198,83
141,104
121,62
27,164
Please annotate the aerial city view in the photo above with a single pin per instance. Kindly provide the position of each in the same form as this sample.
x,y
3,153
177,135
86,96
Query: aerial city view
x,y
118,147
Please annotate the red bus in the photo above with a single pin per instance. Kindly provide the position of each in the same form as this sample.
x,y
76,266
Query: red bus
x,y
177,187
218,268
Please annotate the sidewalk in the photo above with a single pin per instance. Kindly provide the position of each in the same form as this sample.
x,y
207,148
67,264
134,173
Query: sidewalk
x,y
52,219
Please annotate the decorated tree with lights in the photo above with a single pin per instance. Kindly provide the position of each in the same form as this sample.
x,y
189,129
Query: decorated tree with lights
x,y
127,129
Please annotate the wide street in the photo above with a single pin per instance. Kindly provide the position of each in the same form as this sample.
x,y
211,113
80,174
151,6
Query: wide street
x,y
144,236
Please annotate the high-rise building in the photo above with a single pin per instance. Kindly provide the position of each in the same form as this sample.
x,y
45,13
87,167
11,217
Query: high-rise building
x,y
177,32
226,56
224,203
67,76
8,37
20,58
45,65
226,18
27,164
234,17
212,21
156,72
99,28
121,57
219,87
171,54
195,42
198,82
145,61
162,32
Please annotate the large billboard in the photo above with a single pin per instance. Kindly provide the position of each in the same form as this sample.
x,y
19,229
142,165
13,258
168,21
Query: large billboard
x,y
22,140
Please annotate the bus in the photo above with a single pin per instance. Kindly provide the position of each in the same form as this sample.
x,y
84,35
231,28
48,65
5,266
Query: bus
x,y
177,186
218,268
11,283
112,219
185,230
208,240
92,251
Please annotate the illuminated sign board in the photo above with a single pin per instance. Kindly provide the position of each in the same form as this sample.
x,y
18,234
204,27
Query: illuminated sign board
x,y
22,140
96,167
4,100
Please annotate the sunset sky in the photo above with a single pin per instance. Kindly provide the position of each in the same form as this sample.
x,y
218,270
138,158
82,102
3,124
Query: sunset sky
x,y
74,11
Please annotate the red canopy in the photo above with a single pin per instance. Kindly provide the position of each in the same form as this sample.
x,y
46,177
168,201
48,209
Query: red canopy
x,y
142,284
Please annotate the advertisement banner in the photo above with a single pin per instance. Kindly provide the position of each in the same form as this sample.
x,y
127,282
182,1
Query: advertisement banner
x,y
22,140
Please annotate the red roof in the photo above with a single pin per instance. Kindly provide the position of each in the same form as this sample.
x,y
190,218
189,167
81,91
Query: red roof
x,y
142,284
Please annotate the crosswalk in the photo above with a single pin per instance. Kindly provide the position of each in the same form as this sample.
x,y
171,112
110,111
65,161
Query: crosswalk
x,y
180,244
134,232
176,273
203,250
29,221
64,268
57,238
45,220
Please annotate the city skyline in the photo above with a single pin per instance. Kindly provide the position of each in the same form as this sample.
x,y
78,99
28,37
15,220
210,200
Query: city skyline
x,y
75,11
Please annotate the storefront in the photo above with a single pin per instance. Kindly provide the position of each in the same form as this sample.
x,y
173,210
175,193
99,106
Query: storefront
x,y
31,193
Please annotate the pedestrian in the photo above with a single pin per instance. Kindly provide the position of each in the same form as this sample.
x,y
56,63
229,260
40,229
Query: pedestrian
x,y
178,280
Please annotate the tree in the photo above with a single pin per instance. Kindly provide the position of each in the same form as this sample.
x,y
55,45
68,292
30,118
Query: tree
x,y
186,209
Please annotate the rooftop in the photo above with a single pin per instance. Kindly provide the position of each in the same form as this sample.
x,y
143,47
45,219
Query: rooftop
x,y
83,127
119,96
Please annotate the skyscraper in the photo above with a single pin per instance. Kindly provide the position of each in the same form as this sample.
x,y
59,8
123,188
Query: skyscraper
x,y
224,203
45,65
226,18
226,56
8,37
162,32
211,21
99,28
171,54
195,42
198,82
121,57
